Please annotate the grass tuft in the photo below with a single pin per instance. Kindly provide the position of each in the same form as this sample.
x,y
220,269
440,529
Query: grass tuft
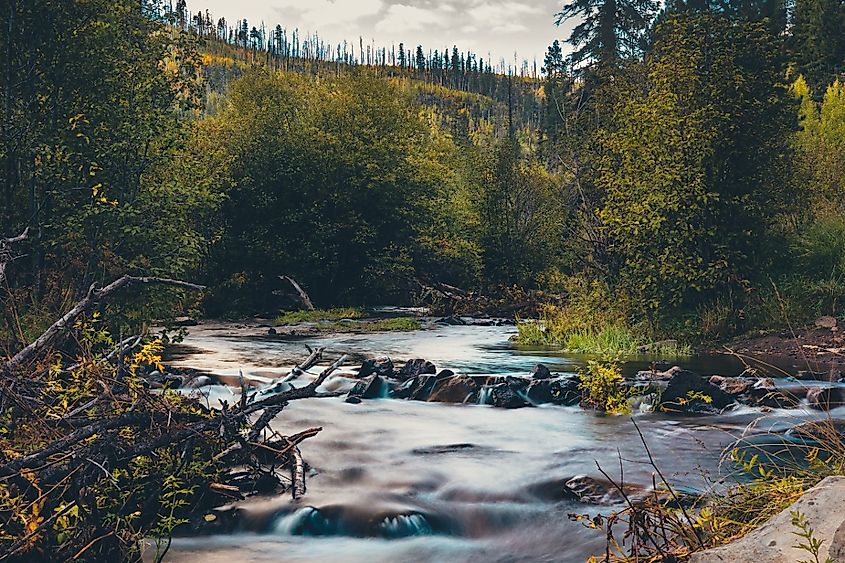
x,y
320,315
397,324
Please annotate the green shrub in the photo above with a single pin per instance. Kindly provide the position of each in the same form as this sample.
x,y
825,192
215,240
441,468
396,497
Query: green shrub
x,y
602,387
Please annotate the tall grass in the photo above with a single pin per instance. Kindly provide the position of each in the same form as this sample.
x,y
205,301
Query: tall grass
x,y
557,327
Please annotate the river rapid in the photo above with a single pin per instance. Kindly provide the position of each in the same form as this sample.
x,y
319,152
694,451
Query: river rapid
x,y
396,481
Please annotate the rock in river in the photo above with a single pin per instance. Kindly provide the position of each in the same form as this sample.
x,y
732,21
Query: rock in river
x,y
826,398
540,371
414,368
689,392
454,389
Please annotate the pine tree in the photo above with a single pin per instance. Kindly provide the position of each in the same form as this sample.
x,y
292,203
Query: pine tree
x,y
609,30
817,41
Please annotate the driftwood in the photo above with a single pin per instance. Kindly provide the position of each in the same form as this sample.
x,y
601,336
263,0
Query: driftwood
x,y
7,253
303,296
111,426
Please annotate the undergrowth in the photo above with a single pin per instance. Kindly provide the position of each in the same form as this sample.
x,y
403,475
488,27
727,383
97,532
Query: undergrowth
x,y
581,334
603,388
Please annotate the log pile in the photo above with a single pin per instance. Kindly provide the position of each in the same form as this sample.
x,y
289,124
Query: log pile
x,y
93,462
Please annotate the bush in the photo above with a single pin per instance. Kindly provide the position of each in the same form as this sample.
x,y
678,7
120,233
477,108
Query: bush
x,y
602,387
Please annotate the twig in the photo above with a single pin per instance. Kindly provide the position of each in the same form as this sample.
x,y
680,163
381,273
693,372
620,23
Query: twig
x,y
668,486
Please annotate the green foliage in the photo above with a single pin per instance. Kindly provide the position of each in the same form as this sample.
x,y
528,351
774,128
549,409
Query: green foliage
x,y
693,170
340,182
294,317
522,218
602,387
396,324
101,159
121,505
811,544
817,45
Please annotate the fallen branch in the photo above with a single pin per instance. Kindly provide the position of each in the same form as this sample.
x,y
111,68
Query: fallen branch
x,y
303,296
6,254
298,474
94,296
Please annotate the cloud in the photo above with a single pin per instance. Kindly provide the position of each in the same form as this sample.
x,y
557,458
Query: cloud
x,y
401,18
318,14
510,28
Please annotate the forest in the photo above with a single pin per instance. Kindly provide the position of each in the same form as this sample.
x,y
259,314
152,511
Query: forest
x,y
669,171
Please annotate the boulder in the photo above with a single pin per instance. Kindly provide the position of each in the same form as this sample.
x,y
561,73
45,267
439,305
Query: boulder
x,y
415,389
378,366
775,541
373,387
685,390
540,371
414,368
504,395
764,393
454,389
826,398
656,375
732,385
561,391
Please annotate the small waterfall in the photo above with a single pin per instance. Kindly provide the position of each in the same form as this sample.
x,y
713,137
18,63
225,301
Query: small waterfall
x,y
485,396
306,521
405,525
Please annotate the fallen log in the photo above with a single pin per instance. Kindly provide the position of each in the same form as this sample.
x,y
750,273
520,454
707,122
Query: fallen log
x,y
92,297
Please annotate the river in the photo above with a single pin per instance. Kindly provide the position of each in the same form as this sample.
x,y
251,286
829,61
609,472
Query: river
x,y
396,481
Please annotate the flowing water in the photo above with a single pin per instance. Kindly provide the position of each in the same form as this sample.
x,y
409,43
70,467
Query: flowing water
x,y
395,481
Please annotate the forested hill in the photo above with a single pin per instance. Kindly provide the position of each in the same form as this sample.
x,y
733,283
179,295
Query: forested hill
x,y
460,85
464,101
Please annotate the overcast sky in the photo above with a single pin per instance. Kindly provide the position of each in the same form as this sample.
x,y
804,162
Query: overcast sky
x,y
500,27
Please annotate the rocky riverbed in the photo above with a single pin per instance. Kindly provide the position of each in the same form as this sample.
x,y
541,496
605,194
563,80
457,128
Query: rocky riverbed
x,y
452,443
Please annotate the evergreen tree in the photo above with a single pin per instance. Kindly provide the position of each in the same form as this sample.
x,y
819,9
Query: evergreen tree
x,y
608,30
420,59
817,41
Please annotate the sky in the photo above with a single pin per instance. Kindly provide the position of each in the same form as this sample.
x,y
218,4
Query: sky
x,y
500,27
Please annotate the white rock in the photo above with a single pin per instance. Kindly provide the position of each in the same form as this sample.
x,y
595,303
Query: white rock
x,y
774,541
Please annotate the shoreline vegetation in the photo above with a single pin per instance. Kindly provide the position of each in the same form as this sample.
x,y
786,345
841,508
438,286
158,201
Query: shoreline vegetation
x,y
668,180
